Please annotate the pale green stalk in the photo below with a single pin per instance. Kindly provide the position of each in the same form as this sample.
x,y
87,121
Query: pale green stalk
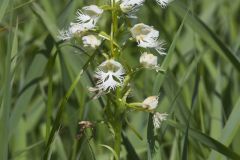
x,y
117,121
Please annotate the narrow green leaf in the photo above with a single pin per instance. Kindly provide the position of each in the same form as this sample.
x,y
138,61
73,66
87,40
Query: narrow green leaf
x,y
3,8
194,96
230,129
35,70
110,149
27,149
131,153
216,120
160,77
52,28
206,140
62,104
7,93
206,34
50,93
134,130
150,136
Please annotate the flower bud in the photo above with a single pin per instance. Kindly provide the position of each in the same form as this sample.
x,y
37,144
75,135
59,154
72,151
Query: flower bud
x,y
148,60
150,103
91,41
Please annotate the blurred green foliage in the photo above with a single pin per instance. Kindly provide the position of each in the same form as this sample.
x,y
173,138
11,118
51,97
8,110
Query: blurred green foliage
x,y
200,90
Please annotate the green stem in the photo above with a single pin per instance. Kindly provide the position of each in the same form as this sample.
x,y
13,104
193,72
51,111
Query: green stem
x,y
117,122
117,139
51,63
114,26
49,104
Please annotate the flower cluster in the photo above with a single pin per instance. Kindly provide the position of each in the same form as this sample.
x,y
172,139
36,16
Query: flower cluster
x,y
86,20
110,74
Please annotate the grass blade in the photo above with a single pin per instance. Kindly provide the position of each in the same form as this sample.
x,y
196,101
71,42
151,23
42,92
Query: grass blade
x,y
206,34
110,149
36,69
52,28
150,137
160,78
230,129
62,104
3,8
6,100
131,153
206,140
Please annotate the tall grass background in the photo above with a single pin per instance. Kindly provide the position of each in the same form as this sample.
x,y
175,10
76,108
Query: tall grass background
x,y
41,78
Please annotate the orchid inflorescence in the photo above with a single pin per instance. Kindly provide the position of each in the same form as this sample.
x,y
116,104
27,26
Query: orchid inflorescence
x,y
111,76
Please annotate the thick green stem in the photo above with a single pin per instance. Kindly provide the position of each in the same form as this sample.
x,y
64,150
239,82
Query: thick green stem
x,y
116,119
117,122
117,139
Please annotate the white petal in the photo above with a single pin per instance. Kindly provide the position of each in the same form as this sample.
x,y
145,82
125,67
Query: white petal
x,y
163,3
89,16
147,37
130,6
110,74
64,35
158,118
